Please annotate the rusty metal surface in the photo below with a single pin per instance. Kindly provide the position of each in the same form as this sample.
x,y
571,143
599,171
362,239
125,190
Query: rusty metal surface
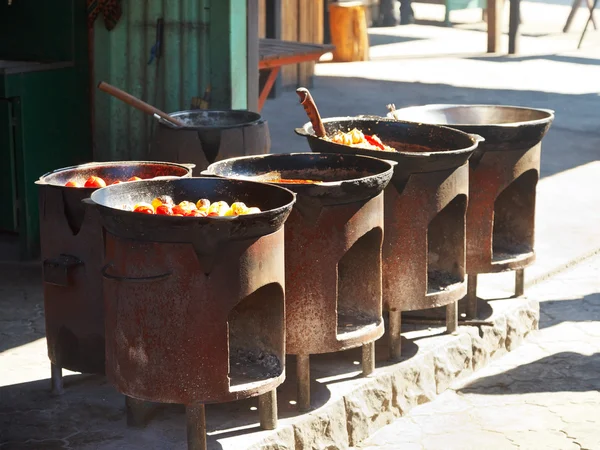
x,y
501,227
333,275
503,176
179,331
424,258
72,249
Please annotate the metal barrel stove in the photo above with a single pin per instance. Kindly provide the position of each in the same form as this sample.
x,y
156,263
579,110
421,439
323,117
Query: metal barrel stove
x,y
425,209
210,136
504,172
333,241
72,251
194,306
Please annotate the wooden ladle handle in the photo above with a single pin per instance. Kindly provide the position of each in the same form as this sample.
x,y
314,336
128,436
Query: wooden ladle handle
x,y
312,112
137,103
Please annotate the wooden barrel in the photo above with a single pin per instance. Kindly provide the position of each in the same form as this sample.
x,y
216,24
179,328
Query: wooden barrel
x,y
348,25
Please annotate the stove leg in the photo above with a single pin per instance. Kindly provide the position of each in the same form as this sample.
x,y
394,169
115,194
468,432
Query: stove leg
x,y
472,296
267,410
368,358
56,379
139,412
519,282
395,334
452,317
303,374
196,427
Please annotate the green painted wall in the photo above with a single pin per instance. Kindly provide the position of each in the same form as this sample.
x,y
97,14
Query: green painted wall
x,y
204,45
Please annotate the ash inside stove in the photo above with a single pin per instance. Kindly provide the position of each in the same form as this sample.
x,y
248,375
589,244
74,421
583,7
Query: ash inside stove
x,y
438,281
359,285
256,337
514,210
248,366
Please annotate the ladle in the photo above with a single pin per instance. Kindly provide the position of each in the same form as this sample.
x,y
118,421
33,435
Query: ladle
x,y
312,112
137,103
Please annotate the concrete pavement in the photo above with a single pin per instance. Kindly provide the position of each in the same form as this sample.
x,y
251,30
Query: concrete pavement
x,y
545,395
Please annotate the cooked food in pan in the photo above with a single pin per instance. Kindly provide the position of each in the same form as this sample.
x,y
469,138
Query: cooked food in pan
x,y
165,206
96,182
356,138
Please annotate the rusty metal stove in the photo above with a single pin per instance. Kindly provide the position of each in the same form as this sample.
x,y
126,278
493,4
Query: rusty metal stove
x,y
194,307
425,208
504,172
333,252
72,250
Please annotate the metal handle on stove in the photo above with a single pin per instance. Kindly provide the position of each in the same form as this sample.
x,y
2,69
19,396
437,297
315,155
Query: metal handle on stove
x,y
151,278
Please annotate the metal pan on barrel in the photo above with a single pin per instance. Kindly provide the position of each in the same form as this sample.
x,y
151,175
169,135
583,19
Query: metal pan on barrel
x,y
333,178
504,127
275,204
418,147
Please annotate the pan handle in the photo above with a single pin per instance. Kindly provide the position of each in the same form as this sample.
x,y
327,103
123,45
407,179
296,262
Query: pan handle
x,y
160,277
302,132
477,138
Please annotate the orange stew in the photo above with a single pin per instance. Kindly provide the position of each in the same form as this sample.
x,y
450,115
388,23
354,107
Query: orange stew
x,y
293,181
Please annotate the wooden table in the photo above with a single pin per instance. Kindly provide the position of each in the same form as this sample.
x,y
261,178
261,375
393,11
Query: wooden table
x,y
275,53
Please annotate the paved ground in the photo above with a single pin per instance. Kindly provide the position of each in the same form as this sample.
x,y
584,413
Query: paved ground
x,y
545,393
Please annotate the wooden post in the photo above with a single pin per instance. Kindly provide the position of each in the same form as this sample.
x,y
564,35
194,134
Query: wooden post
x,y
273,31
494,28
513,27
228,54
252,54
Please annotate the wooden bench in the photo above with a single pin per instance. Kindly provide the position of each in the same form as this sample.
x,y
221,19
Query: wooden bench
x,y
275,53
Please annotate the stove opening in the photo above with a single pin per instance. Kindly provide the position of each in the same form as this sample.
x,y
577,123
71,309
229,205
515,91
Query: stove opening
x,y
446,246
359,285
514,211
256,338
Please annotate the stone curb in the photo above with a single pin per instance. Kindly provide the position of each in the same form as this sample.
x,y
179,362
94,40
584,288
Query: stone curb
x,y
393,391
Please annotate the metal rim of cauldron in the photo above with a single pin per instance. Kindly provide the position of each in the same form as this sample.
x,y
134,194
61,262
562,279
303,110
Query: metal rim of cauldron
x,y
43,180
441,107
159,228
407,162
256,119
322,189
475,139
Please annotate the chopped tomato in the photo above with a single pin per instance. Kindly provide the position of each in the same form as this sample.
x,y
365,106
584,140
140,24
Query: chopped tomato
x,y
72,184
117,182
144,209
134,179
95,182
164,210
374,142
178,210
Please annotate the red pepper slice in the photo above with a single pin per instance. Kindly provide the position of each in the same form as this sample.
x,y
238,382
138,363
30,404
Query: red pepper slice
x,y
372,141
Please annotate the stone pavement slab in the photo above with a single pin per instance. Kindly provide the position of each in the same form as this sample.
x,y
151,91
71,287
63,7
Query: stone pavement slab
x,y
543,395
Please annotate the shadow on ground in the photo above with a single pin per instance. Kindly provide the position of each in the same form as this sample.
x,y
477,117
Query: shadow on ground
x,y
561,372
21,304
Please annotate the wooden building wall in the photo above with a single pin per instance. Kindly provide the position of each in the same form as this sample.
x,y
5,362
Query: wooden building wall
x,y
302,21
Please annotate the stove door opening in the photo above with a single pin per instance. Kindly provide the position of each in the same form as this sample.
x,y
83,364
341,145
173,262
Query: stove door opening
x,y
446,247
514,212
359,287
257,338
